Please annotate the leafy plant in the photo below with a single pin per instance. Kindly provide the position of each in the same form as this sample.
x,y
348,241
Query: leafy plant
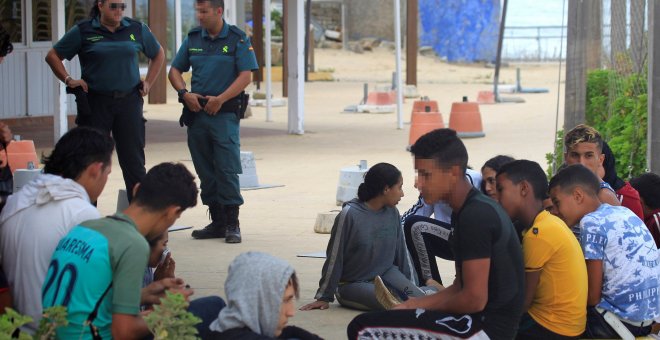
x,y
617,108
556,159
278,27
11,321
53,318
171,319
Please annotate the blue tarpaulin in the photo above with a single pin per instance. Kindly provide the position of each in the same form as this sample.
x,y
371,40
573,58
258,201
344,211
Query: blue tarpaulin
x,y
461,30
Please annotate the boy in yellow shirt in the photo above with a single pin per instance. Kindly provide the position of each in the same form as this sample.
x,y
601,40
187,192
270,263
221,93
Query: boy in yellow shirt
x,y
555,271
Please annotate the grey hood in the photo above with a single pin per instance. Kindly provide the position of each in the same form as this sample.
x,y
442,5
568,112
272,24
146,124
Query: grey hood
x,y
254,290
42,190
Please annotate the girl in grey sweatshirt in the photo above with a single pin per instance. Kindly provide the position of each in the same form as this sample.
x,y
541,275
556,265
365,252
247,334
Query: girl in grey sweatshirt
x,y
367,241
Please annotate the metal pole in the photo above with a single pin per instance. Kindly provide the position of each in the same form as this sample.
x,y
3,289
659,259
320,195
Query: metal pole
x,y
397,41
269,85
653,129
498,60
308,19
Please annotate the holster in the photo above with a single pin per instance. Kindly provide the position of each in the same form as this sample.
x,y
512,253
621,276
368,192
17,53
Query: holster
x,y
82,105
237,105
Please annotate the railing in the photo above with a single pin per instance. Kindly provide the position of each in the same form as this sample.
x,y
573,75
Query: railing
x,y
540,43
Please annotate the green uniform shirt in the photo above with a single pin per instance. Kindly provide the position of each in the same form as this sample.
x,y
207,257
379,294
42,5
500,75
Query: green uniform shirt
x,y
109,60
86,261
216,62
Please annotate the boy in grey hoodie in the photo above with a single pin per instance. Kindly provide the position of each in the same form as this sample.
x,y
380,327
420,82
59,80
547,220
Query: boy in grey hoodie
x,y
260,292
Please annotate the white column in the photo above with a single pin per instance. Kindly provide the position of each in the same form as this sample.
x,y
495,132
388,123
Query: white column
x,y
129,11
399,86
60,122
296,64
230,11
240,15
177,26
269,58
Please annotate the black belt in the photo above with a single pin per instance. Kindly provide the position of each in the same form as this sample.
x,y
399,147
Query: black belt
x,y
114,94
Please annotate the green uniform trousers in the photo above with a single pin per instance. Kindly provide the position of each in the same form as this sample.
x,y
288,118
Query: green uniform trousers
x,y
215,149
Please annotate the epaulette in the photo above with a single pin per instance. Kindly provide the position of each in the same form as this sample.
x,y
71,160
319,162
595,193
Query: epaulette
x,y
237,31
195,30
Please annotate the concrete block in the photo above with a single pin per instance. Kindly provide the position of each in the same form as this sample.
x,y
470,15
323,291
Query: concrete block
x,y
324,222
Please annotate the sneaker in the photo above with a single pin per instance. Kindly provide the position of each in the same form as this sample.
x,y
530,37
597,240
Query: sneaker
x,y
210,231
384,296
233,234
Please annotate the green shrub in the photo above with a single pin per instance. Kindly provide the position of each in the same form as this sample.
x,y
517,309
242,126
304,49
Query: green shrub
x,y
171,319
616,106
555,159
54,317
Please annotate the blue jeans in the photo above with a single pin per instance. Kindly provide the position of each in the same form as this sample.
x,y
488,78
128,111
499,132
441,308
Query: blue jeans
x,y
206,308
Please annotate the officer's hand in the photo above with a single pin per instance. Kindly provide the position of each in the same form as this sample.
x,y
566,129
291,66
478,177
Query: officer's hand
x,y
145,88
192,101
213,105
73,83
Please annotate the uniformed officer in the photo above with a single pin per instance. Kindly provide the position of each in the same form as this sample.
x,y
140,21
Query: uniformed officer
x,y
222,60
107,45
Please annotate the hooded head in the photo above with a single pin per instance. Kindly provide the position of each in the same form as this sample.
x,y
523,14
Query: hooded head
x,y
255,293
609,164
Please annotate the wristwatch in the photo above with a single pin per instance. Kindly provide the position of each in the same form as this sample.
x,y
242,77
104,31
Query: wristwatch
x,y
181,93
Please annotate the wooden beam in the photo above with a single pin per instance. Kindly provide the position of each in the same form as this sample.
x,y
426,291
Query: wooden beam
x,y
412,42
592,14
158,26
637,8
618,32
582,54
258,38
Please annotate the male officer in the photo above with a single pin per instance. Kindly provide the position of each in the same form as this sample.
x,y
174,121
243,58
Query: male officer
x,y
222,59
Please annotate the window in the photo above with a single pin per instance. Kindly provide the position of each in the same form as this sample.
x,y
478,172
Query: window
x,y
77,10
10,18
42,28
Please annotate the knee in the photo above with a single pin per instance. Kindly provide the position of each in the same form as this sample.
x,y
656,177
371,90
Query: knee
x,y
354,327
209,305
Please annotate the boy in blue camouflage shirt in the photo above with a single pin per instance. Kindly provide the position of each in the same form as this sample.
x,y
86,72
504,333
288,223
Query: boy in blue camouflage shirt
x,y
622,260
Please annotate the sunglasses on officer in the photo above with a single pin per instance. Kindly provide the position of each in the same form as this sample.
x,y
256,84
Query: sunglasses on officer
x,y
118,5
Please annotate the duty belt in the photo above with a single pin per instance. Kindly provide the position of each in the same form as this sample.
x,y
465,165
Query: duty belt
x,y
115,94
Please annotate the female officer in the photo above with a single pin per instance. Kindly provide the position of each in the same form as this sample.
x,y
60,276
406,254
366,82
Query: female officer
x,y
107,44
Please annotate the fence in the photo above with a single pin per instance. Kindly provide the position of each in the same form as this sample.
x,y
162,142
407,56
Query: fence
x,y
540,43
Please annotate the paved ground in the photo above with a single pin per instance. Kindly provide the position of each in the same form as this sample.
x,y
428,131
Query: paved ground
x,y
280,220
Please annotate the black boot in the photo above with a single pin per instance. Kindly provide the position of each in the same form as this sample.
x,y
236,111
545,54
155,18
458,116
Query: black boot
x,y
233,229
218,226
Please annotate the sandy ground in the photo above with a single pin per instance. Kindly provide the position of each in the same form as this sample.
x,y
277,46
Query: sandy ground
x,y
280,220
